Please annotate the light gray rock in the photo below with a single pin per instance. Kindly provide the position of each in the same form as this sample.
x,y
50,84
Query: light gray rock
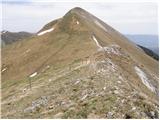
x,y
109,115
58,115
37,104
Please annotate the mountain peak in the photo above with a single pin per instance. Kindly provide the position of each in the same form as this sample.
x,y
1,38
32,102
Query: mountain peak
x,y
86,69
68,22
76,8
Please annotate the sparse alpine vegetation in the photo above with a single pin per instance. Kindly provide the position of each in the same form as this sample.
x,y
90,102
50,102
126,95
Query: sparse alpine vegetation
x,y
78,67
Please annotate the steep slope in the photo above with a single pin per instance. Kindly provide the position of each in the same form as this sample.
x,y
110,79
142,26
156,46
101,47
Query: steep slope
x,y
79,67
10,37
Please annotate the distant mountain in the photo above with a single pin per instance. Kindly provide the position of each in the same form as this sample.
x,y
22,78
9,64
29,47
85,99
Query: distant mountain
x,y
10,37
78,67
155,50
149,52
149,41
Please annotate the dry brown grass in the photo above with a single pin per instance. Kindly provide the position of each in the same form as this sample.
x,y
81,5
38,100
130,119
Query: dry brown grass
x,y
66,51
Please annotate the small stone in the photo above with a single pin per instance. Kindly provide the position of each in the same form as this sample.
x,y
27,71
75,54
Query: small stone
x,y
63,103
116,92
76,82
104,88
115,108
152,113
48,66
116,88
51,107
134,108
129,97
119,82
58,115
123,101
120,77
109,115
29,110
84,97
24,90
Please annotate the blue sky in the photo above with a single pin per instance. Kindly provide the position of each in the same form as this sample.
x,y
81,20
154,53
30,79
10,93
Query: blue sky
x,y
128,18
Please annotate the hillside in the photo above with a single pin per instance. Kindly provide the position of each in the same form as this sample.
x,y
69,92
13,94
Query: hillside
x,y
11,37
78,67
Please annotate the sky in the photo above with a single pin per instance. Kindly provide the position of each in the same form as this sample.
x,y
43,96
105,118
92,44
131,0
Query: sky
x,y
128,18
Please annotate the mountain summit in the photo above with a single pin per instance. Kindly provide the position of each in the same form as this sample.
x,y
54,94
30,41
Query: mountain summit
x,y
78,67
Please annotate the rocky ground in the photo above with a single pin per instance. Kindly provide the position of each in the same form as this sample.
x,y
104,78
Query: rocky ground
x,y
78,67
90,88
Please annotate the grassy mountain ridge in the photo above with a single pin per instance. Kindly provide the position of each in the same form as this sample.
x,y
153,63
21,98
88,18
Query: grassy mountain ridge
x,y
79,67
